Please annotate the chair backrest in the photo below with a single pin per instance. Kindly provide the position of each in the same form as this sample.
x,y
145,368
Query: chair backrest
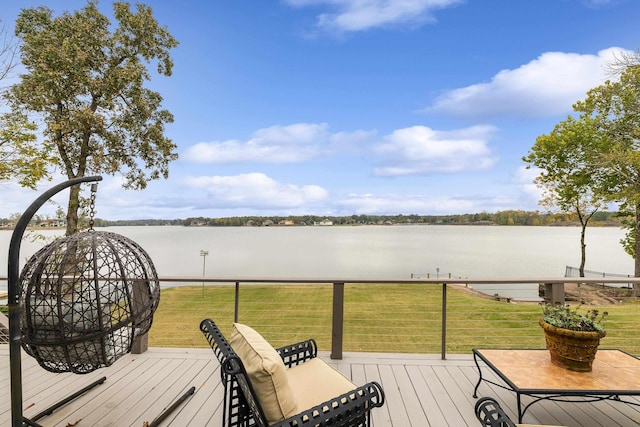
x,y
241,407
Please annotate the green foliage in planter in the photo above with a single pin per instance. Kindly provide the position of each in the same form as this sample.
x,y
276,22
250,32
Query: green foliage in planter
x,y
566,317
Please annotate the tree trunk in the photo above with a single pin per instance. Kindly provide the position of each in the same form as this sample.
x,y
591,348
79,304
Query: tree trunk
x,y
72,210
636,257
583,248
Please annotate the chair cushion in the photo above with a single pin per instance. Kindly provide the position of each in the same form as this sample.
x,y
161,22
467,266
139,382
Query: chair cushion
x,y
314,382
266,371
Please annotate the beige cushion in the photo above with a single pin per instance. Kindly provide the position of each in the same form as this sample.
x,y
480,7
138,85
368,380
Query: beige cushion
x,y
314,382
266,371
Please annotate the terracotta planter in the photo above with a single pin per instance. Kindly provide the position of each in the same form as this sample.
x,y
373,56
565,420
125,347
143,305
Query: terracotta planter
x,y
573,350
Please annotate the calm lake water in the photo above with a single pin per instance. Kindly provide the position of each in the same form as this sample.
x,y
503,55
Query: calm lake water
x,y
370,252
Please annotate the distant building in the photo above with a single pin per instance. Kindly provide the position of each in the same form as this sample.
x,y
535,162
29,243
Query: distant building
x,y
53,223
325,221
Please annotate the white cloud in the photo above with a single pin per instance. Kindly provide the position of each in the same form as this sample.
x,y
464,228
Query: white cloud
x,y
524,178
360,15
419,150
278,144
548,85
416,150
256,190
392,204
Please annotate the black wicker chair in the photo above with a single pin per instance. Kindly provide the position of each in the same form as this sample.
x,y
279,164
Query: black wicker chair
x,y
242,409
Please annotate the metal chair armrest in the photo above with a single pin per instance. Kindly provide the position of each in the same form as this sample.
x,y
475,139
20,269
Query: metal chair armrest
x,y
348,409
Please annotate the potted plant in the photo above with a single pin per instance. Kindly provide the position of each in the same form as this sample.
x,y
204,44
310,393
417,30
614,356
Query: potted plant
x,y
572,337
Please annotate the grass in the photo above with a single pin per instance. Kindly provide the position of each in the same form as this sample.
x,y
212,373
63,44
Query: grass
x,y
378,318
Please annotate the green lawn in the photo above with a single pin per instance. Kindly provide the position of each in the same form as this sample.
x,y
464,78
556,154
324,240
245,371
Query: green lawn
x,y
378,318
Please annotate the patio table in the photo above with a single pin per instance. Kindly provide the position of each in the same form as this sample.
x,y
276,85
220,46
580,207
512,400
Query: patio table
x,y
529,372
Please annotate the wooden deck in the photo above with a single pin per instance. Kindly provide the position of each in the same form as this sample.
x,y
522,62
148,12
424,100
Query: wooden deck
x,y
421,390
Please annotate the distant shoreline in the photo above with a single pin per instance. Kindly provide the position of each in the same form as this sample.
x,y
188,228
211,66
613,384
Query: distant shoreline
x,y
501,218
561,225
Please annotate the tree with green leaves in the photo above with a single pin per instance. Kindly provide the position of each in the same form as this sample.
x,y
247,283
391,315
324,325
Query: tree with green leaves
x,y
614,108
21,157
568,162
85,81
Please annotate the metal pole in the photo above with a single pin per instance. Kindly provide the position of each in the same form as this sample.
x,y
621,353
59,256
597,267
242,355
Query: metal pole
x,y
203,254
444,321
160,418
50,410
13,276
236,309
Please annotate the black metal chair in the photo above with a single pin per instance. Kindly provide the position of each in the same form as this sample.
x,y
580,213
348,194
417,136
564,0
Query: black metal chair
x,y
241,407
491,414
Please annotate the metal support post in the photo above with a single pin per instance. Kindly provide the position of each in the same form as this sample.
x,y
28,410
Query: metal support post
x,y
15,362
554,293
444,321
237,303
338,321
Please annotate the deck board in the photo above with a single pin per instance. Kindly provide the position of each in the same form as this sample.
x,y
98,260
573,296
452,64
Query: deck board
x,y
421,390
409,396
425,396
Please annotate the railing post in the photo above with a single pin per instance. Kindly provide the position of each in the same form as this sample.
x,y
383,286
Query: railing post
x,y
140,344
444,321
554,293
337,321
236,308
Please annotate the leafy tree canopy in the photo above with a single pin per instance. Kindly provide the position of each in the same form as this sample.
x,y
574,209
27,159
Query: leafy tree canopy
x,y
21,157
614,108
568,159
85,80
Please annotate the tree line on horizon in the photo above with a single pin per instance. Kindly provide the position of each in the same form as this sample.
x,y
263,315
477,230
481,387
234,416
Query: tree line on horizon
x,y
508,217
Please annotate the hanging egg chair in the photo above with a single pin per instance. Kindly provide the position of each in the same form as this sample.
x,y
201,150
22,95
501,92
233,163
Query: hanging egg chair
x,y
85,299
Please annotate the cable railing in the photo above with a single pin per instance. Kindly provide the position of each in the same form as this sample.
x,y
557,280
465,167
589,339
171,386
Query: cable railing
x,y
575,272
431,316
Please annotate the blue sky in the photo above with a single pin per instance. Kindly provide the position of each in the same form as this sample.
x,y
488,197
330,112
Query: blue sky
x,y
341,107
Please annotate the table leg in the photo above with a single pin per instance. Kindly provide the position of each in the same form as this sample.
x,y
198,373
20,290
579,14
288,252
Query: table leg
x,y
519,403
475,390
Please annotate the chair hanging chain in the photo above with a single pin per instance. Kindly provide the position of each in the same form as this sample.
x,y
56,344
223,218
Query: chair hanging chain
x,y
92,205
